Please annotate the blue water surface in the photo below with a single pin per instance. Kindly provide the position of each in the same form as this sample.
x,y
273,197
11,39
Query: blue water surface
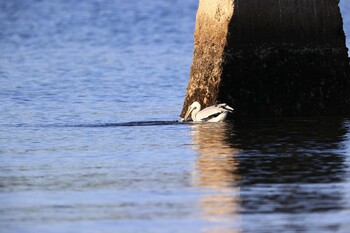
x,y
90,93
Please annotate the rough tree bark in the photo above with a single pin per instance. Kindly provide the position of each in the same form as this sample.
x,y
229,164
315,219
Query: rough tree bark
x,y
270,58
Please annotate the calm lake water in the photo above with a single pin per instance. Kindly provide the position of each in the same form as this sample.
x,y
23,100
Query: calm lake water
x,y
90,92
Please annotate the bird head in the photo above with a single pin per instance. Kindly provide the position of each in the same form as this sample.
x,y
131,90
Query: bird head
x,y
194,106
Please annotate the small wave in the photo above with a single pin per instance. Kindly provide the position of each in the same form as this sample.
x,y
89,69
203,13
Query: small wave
x,y
132,123
123,124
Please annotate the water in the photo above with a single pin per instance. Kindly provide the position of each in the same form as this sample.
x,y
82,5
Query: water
x,y
90,93
345,9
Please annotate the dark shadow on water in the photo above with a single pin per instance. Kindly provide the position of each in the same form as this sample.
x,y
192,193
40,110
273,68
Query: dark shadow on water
x,y
291,165
273,166
290,150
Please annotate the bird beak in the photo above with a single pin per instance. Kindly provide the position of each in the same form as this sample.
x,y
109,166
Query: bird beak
x,y
188,113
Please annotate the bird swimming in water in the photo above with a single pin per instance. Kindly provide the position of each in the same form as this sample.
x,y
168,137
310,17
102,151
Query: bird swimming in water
x,y
215,113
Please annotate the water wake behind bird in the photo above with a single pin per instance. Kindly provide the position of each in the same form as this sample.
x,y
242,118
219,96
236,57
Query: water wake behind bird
x,y
131,123
98,125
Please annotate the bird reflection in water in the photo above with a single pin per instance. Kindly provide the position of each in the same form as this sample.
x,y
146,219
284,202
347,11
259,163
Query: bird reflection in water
x,y
215,173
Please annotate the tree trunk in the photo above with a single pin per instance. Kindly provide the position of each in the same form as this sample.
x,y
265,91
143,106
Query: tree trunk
x,y
270,58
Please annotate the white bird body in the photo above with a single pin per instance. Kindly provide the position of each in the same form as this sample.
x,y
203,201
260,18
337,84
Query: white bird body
x,y
215,113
